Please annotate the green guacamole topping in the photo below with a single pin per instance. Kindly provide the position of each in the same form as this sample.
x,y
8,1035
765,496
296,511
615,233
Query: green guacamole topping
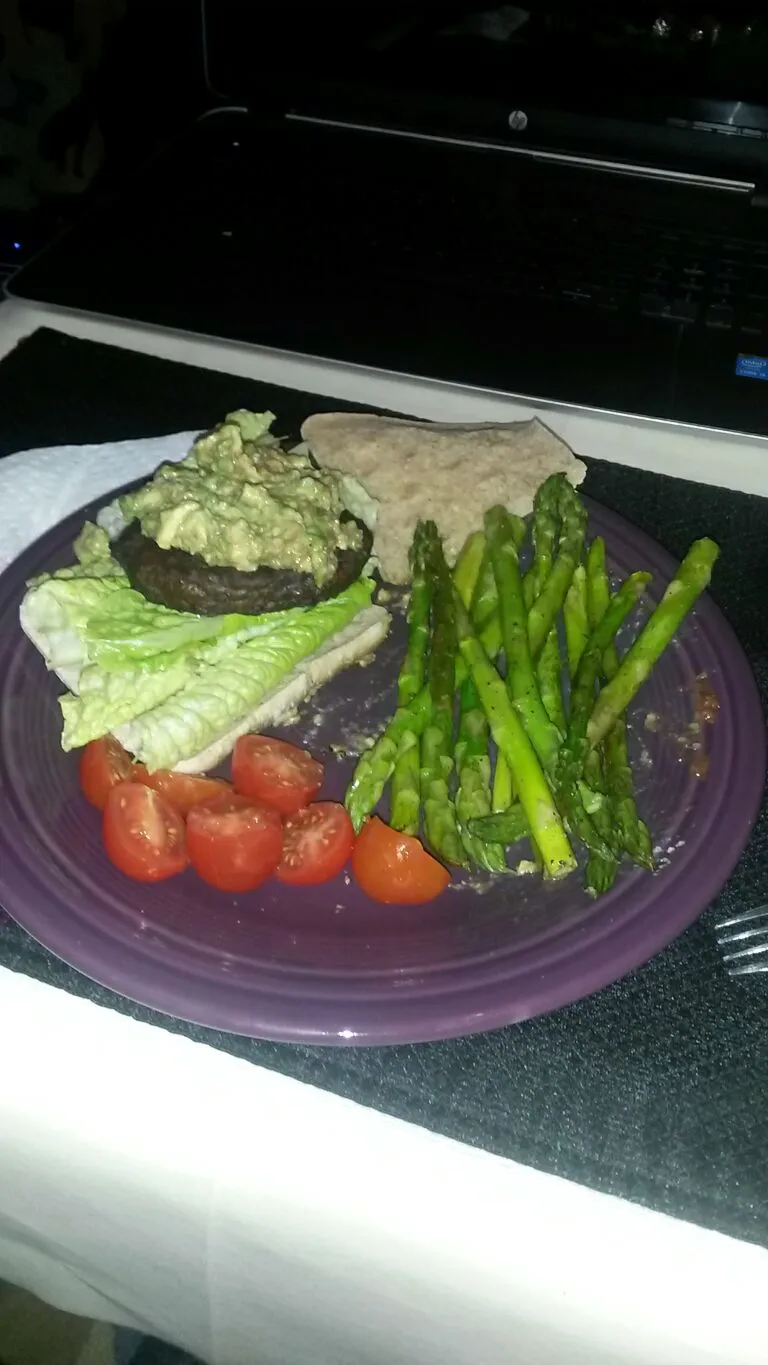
x,y
238,500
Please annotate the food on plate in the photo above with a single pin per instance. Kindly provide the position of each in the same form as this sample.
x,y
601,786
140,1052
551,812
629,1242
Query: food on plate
x,y
176,579
240,525
103,763
176,687
144,835
399,472
485,641
233,840
178,690
274,771
689,582
234,843
183,790
317,843
205,606
150,630
395,868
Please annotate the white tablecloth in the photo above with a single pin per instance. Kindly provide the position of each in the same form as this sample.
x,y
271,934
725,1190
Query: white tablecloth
x,y
158,1183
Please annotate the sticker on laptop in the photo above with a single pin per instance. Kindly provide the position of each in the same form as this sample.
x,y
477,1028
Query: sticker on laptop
x,y
752,366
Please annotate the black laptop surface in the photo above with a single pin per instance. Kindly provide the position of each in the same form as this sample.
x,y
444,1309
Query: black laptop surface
x,y
564,203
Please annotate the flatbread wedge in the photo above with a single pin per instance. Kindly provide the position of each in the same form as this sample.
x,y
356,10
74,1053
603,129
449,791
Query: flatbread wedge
x,y
449,473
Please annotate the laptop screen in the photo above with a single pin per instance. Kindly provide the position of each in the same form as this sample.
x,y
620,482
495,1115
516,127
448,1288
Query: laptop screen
x,y
559,75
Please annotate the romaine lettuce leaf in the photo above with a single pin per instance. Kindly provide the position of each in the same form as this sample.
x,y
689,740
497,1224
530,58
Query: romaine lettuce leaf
x,y
223,692
180,680
77,617
130,629
55,614
119,683
106,700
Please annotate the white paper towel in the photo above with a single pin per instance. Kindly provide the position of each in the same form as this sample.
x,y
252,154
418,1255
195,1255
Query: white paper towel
x,y
38,488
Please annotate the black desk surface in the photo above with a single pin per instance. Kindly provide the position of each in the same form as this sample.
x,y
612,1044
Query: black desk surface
x,y
655,1089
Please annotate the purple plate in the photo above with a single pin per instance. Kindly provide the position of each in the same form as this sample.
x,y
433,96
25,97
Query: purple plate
x,y
327,965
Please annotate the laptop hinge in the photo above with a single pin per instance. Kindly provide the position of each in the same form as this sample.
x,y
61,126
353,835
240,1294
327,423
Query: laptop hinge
x,y
636,170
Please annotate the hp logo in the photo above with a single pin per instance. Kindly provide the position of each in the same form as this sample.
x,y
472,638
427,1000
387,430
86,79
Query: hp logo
x,y
518,121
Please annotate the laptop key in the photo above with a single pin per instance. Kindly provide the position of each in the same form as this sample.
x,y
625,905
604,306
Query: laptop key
x,y
719,316
611,298
674,310
579,294
754,323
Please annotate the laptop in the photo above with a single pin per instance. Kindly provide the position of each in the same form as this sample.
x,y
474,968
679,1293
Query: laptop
x,y
564,203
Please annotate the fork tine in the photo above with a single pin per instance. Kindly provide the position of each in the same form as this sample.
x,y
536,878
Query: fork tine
x,y
743,918
747,968
753,951
741,934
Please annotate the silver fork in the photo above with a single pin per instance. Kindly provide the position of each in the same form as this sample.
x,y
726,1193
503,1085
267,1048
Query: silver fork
x,y
743,942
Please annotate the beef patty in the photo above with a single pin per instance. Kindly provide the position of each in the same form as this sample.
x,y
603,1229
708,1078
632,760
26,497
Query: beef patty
x,y
183,581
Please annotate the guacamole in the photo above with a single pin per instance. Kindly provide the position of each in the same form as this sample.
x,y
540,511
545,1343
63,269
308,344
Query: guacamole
x,y
238,500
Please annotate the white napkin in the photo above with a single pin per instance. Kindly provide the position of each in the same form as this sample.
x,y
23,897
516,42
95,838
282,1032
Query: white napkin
x,y
40,487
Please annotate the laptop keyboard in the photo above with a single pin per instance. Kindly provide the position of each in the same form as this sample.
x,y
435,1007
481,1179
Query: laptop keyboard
x,y
463,227
648,268
608,262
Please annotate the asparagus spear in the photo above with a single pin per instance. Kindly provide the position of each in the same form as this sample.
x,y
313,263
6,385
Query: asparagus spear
x,y
548,835
405,801
485,609
544,535
485,601
603,862
550,674
633,833
468,569
576,747
560,499
503,790
507,827
544,523
544,529
581,617
575,617
375,765
598,591
473,767
440,824
689,582
473,764
485,598
521,674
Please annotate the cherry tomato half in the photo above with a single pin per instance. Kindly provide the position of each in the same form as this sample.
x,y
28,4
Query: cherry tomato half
x,y
395,868
271,770
184,790
143,833
234,843
317,842
103,763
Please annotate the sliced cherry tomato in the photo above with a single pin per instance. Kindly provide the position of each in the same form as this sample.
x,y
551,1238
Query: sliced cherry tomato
x,y
395,868
276,772
104,763
143,833
234,843
317,842
184,790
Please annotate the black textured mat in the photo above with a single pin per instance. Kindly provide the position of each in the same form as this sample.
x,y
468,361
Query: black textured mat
x,y
656,1089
